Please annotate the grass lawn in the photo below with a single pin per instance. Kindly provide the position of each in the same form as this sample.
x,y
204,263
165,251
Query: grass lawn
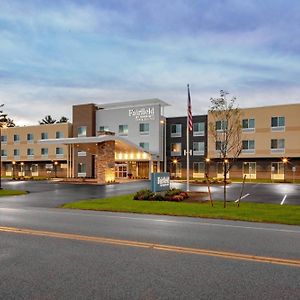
x,y
11,193
254,212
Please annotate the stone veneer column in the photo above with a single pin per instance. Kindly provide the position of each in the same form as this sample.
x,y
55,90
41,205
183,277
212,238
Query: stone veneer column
x,y
106,162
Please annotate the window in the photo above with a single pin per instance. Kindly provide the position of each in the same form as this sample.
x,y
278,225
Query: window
x,y
145,146
277,170
198,148
175,169
16,152
3,152
176,149
220,146
81,170
30,152
277,145
59,135
277,123
59,151
249,169
123,129
176,130
144,128
44,151
16,138
198,129
44,135
81,131
248,146
4,139
30,137
221,125
198,169
103,128
248,125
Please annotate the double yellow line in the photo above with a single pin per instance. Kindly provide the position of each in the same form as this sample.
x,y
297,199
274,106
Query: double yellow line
x,y
170,248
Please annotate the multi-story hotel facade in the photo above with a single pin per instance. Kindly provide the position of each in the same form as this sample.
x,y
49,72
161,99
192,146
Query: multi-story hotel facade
x,y
22,154
271,144
177,147
132,139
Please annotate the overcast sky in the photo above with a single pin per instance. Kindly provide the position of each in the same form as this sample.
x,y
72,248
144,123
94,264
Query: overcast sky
x,y
54,54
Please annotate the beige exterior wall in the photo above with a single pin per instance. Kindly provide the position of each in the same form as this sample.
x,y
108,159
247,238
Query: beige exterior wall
x,y
24,144
263,132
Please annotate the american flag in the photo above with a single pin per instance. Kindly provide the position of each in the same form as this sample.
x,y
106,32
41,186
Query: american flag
x,y
189,111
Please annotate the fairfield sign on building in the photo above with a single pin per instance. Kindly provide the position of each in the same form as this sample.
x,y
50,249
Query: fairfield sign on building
x,y
142,114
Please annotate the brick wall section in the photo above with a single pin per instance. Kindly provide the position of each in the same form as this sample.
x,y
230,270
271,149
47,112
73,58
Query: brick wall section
x,y
84,115
106,162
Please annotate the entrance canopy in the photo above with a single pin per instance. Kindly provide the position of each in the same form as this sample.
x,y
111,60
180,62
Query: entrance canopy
x,y
124,149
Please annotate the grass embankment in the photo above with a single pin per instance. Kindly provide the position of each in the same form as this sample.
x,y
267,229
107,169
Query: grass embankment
x,y
11,193
254,212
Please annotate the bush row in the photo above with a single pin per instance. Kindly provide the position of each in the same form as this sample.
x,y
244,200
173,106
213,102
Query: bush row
x,y
176,195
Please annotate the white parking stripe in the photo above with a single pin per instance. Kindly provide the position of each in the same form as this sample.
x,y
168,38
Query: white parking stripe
x,y
283,199
246,195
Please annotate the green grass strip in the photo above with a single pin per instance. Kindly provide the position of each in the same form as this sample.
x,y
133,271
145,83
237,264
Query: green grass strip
x,y
11,193
254,212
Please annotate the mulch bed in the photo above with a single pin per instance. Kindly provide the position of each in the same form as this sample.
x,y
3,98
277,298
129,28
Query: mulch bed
x,y
196,197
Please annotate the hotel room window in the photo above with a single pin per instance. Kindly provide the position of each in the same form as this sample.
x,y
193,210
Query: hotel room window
x,y
278,123
81,131
144,128
176,130
123,129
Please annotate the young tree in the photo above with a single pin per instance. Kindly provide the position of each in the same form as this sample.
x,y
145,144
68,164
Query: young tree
x,y
47,120
226,130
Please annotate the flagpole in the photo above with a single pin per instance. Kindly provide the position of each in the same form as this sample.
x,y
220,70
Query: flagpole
x,y
188,142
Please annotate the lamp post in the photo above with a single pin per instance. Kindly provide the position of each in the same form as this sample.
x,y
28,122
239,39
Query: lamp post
x,y
207,161
284,160
13,169
22,166
55,168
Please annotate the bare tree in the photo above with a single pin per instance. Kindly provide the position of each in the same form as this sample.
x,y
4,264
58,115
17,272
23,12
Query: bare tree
x,y
47,120
226,130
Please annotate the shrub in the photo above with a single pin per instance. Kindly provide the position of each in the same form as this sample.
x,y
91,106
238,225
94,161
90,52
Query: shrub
x,y
172,192
158,197
143,195
176,198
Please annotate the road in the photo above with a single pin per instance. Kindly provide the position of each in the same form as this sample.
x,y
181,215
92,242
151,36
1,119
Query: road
x,y
51,253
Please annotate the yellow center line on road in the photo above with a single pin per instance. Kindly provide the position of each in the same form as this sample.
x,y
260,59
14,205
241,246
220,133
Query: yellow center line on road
x,y
170,248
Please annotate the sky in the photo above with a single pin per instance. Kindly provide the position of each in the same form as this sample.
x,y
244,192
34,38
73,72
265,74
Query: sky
x,y
54,54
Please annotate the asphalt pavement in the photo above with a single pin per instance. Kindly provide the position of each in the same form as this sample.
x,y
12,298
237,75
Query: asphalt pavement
x,y
39,264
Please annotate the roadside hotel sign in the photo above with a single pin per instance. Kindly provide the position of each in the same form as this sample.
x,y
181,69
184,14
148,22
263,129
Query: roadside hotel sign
x,y
160,182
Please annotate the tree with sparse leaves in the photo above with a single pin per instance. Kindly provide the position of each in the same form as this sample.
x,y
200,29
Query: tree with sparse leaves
x,y
63,120
226,130
47,120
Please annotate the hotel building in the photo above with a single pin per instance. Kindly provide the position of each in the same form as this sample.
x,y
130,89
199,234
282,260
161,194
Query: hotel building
x,y
132,139
118,140
271,144
23,155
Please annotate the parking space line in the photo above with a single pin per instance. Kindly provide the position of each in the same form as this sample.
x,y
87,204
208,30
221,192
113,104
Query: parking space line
x,y
281,203
243,197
